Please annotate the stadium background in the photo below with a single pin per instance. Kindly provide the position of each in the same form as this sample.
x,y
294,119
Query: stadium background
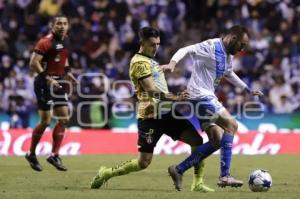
x,y
103,37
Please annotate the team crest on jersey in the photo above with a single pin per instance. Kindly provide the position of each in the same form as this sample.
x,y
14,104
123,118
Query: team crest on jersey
x,y
142,69
57,58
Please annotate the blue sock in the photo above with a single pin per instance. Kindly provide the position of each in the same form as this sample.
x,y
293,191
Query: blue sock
x,y
226,153
200,153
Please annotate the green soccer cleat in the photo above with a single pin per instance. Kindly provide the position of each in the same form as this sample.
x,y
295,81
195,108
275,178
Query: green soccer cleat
x,y
201,188
100,178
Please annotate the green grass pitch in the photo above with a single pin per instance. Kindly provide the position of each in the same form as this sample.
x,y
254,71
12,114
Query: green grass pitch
x,y
18,181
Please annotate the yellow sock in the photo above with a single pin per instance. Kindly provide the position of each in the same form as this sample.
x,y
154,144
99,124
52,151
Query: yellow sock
x,y
123,168
198,171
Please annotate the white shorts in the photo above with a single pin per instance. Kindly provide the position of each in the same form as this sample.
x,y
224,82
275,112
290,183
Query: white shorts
x,y
207,110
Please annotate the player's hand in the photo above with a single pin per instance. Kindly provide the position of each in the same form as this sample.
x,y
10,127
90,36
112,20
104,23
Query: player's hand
x,y
53,82
166,67
183,96
256,93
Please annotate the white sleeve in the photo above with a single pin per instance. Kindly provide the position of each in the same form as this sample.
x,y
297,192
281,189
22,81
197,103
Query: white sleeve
x,y
202,49
235,80
182,52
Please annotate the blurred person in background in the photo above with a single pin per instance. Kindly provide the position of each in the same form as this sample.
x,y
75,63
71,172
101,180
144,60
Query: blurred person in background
x,y
22,22
50,61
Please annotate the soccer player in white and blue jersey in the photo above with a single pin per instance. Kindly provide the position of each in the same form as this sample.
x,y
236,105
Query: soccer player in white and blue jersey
x,y
212,61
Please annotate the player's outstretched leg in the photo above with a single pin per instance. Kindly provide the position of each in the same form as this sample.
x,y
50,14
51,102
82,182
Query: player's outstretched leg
x,y
198,178
198,155
101,177
198,182
33,162
104,173
176,177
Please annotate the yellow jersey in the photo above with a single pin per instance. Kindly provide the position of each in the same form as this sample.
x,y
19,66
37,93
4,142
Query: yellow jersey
x,y
142,66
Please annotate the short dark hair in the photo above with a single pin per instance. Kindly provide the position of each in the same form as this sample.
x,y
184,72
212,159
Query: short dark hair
x,y
53,19
238,30
147,32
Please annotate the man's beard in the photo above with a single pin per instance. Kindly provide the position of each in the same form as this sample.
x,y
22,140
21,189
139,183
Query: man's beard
x,y
231,49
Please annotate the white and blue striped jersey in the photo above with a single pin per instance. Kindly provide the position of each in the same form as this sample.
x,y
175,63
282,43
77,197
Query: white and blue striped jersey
x,y
210,64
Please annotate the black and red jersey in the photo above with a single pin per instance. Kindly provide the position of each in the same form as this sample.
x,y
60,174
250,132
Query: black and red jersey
x,y
55,53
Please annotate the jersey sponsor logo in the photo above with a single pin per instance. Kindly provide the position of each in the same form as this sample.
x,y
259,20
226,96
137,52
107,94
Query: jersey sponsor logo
x,y
59,46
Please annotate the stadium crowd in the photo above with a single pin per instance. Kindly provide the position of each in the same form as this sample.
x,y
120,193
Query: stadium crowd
x,y
103,37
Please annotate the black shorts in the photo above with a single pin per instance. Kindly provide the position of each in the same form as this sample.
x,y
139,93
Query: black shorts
x,y
150,130
47,99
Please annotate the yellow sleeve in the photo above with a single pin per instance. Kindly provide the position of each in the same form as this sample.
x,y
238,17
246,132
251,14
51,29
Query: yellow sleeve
x,y
142,70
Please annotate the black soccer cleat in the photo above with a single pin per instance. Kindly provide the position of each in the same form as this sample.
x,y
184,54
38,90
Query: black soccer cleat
x,y
56,162
33,162
176,177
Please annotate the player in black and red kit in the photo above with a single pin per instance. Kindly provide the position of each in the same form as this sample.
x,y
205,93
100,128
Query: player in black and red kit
x,y
50,61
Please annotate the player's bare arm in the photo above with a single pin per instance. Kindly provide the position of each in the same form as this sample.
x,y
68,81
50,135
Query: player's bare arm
x,y
149,87
35,65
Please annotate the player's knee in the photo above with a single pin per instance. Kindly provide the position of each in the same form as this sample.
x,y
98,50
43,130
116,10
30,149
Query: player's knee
x,y
64,122
45,123
143,164
215,134
196,142
216,144
231,127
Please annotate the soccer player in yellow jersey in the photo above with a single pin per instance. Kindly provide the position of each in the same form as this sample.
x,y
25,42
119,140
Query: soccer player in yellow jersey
x,y
154,114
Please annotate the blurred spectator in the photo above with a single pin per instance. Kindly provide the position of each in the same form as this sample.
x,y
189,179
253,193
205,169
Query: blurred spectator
x,y
18,112
103,38
280,94
49,7
286,105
